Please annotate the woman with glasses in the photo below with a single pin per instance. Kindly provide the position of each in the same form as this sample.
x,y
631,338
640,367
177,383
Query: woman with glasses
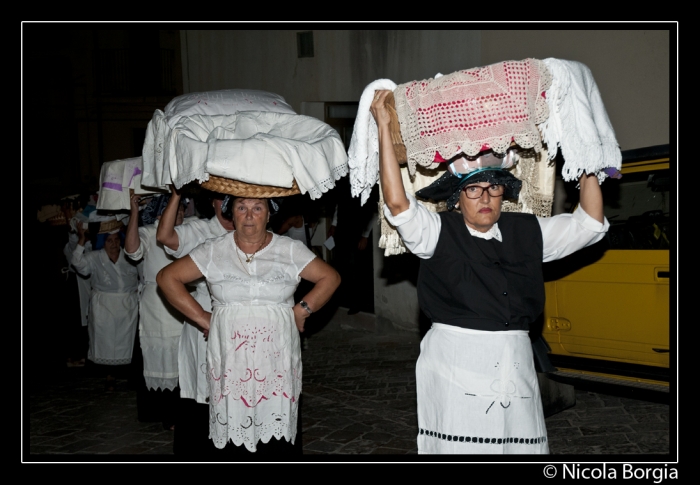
x,y
480,282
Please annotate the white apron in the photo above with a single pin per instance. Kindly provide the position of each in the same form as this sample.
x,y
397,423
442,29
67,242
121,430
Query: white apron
x,y
159,334
84,290
192,354
253,353
254,357
112,327
478,393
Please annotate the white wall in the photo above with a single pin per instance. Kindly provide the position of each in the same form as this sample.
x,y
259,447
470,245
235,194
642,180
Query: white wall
x,y
345,61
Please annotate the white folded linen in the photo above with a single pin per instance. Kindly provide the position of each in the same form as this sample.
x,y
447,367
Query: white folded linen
x,y
578,123
257,147
156,173
224,102
116,178
363,154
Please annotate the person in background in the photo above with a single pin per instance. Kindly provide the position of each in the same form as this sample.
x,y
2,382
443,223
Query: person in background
x,y
351,228
113,313
80,285
481,284
160,325
191,437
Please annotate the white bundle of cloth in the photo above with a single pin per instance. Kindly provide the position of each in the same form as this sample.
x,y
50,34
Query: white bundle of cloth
x,y
245,135
578,123
363,154
116,178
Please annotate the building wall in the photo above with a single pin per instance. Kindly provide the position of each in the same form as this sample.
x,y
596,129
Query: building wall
x,y
344,63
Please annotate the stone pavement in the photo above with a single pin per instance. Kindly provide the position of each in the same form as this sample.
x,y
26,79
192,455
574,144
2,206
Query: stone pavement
x,y
358,404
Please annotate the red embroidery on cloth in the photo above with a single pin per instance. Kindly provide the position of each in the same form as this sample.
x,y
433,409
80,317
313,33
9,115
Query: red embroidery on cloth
x,y
472,110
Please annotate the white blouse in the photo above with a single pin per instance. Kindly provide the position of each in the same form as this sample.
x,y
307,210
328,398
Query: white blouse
x,y
562,234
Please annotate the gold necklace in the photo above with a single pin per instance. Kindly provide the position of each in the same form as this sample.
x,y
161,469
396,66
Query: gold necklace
x,y
248,258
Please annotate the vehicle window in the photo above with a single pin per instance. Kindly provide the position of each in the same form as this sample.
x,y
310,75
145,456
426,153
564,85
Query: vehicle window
x,y
637,206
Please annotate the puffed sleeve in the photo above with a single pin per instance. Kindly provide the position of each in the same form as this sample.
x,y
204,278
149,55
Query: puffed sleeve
x,y
202,256
80,262
300,256
190,235
418,227
143,245
565,234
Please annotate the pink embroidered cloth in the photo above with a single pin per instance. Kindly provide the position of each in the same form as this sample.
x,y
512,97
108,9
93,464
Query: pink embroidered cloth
x,y
473,110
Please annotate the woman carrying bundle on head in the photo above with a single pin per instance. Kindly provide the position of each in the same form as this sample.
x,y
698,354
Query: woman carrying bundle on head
x,y
191,438
114,311
480,282
160,325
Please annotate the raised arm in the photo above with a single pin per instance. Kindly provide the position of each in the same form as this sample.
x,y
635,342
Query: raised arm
x,y
172,280
166,234
591,197
389,173
78,260
326,280
132,240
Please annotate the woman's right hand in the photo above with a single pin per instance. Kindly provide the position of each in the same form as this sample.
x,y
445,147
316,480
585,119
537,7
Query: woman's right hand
x,y
378,107
134,200
300,316
81,232
206,325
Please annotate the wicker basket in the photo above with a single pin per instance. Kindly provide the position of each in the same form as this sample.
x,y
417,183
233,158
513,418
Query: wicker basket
x,y
395,127
109,226
242,189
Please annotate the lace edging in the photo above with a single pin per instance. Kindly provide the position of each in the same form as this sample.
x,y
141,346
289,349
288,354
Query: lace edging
x,y
200,176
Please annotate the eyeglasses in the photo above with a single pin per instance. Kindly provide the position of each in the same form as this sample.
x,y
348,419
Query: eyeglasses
x,y
476,191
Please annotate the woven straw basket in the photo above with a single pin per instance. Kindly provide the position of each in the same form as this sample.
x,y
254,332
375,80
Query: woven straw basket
x,y
395,127
242,189
108,226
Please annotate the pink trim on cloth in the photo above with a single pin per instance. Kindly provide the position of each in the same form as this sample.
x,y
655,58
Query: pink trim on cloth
x,y
472,110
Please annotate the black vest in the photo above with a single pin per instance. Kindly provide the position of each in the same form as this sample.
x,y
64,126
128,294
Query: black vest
x,y
484,284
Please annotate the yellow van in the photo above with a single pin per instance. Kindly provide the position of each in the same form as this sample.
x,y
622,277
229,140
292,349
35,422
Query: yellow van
x,y
607,310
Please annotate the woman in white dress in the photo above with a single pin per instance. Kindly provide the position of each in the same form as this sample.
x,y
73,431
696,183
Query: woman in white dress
x,y
191,437
253,352
114,310
160,325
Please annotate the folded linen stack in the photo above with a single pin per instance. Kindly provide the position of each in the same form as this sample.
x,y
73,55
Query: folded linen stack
x,y
250,136
116,179
540,106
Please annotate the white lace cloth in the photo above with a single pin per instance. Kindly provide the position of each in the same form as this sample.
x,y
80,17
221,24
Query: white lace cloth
x,y
578,123
363,154
472,110
253,352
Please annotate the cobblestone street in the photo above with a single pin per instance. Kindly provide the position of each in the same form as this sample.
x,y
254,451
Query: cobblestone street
x,y
358,400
